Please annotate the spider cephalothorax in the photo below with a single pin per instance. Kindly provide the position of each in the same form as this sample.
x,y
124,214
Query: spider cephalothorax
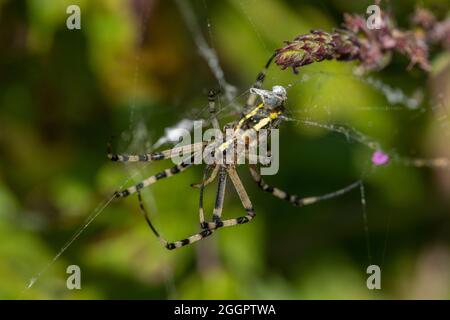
x,y
267,115
243,136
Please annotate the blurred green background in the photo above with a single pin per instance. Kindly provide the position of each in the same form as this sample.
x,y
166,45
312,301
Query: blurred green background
x,y
134,70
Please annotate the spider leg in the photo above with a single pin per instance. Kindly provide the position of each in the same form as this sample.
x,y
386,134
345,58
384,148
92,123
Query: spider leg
x,y
208,180
183,165
147,218
247,204
220,195
251,100
202,189
212,109
294,199
154,156
171,245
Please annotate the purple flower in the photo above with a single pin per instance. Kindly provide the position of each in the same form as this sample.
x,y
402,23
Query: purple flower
x,y
380,158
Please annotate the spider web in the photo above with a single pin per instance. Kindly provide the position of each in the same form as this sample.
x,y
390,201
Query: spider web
x,y
397,101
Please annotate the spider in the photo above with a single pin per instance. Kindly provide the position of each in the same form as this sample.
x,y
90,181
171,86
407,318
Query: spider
x,y
268,114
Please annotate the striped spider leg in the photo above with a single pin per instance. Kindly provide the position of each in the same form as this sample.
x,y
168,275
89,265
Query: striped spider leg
x,y
295,199
252,97
155,156
215,123
183,165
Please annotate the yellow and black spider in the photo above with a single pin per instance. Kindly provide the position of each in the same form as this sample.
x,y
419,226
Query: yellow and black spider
x,y
267,115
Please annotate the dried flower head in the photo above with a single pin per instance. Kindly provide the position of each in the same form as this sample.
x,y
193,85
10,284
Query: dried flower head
x,y
373,48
